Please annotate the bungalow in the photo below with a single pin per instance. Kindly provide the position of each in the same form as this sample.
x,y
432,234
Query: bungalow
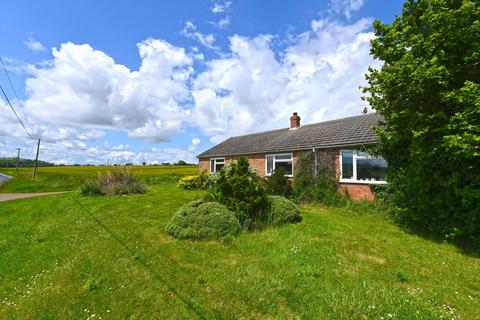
x,y
334,144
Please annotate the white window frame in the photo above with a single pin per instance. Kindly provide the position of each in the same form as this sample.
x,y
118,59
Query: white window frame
x,y
215,164
355,156
280,160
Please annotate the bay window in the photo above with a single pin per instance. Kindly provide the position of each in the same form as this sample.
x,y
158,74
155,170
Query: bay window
x,y
359,166
274,161
216,164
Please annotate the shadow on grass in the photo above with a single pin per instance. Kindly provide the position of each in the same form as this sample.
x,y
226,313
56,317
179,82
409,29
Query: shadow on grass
x,y
465,246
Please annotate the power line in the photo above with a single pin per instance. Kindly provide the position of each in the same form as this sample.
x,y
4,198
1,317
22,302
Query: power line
x,y
15,112
188,301
15,93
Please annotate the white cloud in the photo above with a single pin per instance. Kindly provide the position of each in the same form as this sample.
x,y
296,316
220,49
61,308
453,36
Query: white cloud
x,y
33,44
85,88
73,99
221,7
346,7
253,90
190,31
223,23
193,146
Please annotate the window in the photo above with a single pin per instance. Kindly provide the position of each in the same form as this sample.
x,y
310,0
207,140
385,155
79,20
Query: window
x,y
216,164
359,166
279,160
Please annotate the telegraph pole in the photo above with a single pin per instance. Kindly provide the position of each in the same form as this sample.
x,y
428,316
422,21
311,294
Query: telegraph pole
x,y
36,160
18,157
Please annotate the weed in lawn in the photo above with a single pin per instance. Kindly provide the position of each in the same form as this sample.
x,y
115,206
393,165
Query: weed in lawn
x,y
401,276
90,285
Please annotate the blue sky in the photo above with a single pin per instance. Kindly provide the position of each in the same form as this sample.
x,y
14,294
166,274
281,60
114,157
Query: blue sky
x,y
155,81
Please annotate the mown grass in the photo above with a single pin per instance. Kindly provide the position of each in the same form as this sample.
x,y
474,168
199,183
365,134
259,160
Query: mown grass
x,y
66,178
57,262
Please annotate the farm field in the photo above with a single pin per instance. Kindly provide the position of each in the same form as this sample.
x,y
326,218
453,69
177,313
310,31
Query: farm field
x,y
66,178
57,262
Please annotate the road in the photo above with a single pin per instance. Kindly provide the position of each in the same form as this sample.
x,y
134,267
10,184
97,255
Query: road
x,y
14,196
4,178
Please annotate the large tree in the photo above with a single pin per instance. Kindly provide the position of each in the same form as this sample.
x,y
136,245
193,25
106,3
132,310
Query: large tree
x,y
428,90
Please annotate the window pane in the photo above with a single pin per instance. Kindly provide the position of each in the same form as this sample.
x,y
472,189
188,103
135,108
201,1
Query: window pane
x,y
220,160
212,166
347,164
371,169
269,164
362,154
284,157
286,165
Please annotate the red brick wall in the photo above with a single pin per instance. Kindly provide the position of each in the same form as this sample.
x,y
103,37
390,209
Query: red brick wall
x,y
357,191
256,160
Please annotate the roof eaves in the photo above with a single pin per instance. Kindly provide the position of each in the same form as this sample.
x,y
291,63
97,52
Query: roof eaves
x,y
299,148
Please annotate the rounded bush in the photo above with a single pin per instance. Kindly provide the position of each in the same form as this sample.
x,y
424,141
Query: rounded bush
x,y
282,210
198,220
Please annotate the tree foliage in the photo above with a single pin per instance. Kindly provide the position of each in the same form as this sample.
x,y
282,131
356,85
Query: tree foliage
x,y
428,91
23,163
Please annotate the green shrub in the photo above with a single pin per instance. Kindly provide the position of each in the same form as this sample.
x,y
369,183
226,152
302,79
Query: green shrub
x,y
322,188
203,220
91,188
187,182
114,182
119,182
382,192
282,211
199,181
242,190
278,183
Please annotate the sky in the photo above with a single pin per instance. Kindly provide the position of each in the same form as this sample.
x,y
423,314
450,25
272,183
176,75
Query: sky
x,y
104,82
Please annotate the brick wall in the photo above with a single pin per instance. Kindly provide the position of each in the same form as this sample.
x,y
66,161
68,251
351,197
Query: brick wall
x,y
256,160
357,191
204,164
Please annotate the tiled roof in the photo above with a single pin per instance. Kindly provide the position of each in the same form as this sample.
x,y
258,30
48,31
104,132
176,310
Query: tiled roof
x,y
349,131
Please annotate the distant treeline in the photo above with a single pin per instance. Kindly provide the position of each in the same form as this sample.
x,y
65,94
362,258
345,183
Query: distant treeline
x,y
23,163
26,163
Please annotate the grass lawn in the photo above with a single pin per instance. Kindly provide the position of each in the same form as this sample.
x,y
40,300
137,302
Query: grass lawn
x,y
56,262
64,178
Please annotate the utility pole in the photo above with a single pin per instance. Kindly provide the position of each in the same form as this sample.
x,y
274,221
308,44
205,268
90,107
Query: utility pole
x,y
18,157
36,160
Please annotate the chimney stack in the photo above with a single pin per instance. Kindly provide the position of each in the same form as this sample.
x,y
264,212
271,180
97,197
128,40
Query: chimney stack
x,y
294,121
